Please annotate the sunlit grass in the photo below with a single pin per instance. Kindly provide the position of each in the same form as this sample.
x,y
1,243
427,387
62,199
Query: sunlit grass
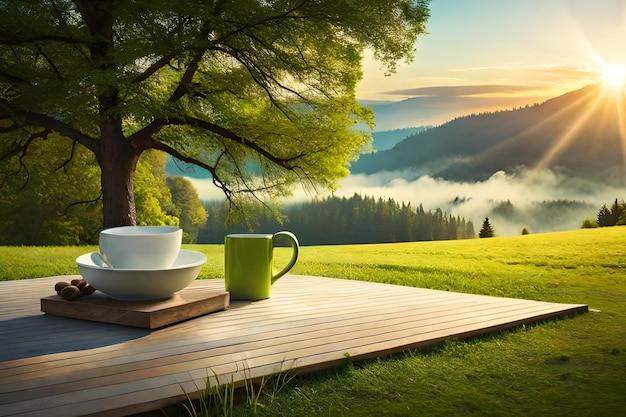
x,y
572,367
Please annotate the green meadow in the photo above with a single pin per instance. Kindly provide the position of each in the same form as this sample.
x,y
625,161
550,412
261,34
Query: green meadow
x,y
570,367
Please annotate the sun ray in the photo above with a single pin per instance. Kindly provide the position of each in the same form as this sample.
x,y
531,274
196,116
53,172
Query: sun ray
x,y
614,102
565,140
621,120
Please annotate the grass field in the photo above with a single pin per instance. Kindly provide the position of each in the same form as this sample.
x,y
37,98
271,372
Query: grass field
x,y
573,367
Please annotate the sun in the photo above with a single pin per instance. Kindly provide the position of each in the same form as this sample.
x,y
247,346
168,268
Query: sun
x,y
614,75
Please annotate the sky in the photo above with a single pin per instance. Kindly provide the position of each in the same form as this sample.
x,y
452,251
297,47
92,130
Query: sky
x,y
525,48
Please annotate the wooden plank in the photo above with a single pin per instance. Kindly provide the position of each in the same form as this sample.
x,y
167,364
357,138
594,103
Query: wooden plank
x,y
185,304
55,366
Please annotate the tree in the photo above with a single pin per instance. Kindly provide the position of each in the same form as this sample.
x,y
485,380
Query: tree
x,y
260,94
344,220
40,206
604,217
153,197
189,210
486,230
589,224
58,203
617,212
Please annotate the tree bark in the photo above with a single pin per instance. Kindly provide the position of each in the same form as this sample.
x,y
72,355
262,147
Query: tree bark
x,y
118,161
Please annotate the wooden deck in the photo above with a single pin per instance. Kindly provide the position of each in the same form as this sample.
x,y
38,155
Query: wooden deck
x,y
55,366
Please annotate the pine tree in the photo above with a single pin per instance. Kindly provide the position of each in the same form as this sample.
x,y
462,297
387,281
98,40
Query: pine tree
x,y
604,217
617,211
486,230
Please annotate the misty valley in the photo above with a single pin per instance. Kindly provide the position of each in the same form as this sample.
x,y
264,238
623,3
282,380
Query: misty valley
x,y
545,167
541,168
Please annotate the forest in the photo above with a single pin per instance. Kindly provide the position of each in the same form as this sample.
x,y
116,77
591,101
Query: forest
x,y
335,221
613,216
60,203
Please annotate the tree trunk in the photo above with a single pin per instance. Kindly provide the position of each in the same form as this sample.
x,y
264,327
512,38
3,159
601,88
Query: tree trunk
x,y
118,161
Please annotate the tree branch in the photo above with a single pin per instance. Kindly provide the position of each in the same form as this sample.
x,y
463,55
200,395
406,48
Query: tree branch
x,y
144,137
69,206
20,150
193,65
69,159
187,77
9,129
160,63
229,134
217,181
46,37
50,62
47,122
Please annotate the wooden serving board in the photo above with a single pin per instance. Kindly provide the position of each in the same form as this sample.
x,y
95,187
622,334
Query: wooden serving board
x,y
185,304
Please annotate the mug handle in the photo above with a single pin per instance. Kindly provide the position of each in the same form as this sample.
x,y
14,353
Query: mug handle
x,y
294,256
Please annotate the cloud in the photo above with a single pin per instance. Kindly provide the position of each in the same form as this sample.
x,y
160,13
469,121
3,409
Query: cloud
x,y
207,191
463,90
556,78
539,79
527,190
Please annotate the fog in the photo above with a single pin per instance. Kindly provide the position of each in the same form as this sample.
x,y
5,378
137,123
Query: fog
x,y
528,191
476,200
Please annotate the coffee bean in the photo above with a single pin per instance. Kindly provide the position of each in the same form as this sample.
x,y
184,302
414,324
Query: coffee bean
x,y
87,290
71,292
59,286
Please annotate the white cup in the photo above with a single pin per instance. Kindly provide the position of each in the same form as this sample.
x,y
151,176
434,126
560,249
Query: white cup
x,y
140,247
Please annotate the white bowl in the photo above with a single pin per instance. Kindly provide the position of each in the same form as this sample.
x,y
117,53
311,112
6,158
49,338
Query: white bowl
x,y
141,247
141,285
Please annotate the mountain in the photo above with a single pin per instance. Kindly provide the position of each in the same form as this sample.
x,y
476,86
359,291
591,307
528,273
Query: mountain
x,y
381,141
581,133
389,138
435,110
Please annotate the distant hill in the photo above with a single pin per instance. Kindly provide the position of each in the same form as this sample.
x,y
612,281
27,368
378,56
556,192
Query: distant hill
x,y
581,133
429,110
389,138
381,141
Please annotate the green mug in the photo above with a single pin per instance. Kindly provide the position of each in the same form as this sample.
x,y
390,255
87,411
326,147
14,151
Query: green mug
x,y
248,264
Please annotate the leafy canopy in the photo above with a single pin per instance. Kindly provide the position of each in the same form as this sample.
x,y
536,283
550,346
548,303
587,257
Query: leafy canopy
x,y
261,93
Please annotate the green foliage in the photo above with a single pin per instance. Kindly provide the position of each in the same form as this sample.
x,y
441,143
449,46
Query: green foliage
x,y
589,224
260,94
525,231
357,219
55,201
220,394
153,198
618,210
216,398
615,216
604,217
189,210
486,230
59,204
